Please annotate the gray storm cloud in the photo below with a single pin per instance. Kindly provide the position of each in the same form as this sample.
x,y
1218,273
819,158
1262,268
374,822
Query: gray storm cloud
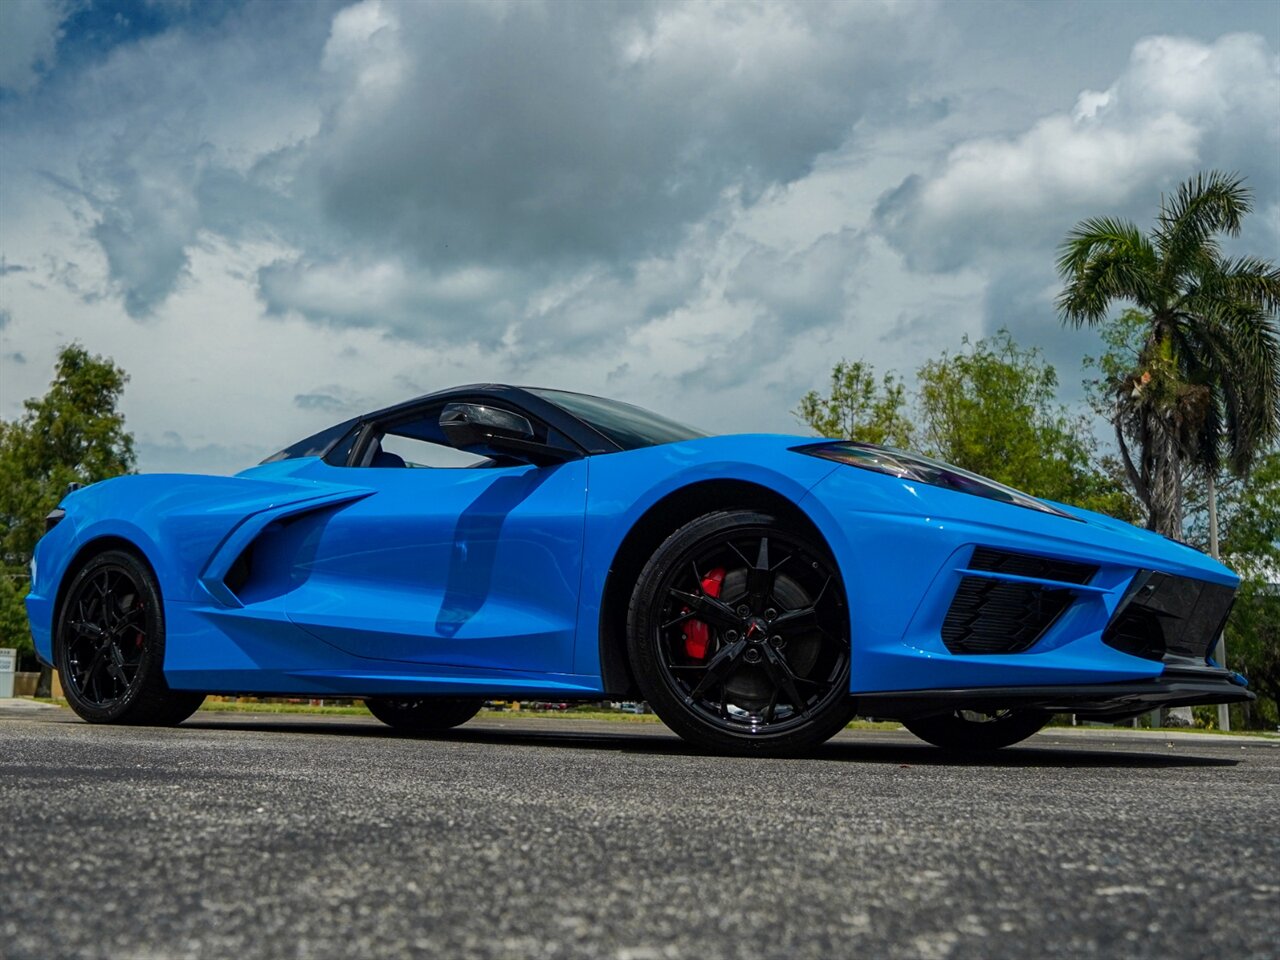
x,y
697,207
29,31
583,131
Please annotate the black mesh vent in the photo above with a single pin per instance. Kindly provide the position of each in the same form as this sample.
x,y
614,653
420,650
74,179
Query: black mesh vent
x,y
997,616
1025,565
1164,615
990,616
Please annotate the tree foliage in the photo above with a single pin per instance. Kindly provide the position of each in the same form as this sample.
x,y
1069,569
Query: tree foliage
x,y
1251,545
1204,387
991,408
858,407
73,433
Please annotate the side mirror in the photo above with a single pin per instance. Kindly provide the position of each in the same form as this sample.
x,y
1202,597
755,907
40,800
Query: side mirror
x,y
490,431
468,425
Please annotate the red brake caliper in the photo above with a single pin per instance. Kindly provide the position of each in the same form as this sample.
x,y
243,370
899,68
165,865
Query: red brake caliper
x,y
696,633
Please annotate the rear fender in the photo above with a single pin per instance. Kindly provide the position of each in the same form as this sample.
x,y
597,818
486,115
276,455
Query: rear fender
x,y
179,522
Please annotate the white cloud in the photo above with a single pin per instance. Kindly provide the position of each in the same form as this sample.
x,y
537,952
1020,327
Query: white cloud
x,y
1178,106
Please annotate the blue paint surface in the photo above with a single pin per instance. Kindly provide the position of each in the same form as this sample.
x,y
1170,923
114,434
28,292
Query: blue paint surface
x,y
366,581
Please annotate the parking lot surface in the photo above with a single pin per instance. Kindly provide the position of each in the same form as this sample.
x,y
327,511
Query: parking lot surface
x,y
292,836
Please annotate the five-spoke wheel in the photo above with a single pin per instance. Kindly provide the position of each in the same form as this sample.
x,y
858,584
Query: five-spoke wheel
x,y
110,646
739,636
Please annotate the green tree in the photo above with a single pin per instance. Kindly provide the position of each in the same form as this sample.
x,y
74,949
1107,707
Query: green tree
x,y
992,408
73,433
1205,387
1251,544
858,407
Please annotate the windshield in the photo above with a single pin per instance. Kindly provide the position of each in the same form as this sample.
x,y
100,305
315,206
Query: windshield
x,y
628,426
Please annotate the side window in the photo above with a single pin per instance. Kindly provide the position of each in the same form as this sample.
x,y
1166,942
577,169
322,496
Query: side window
x,y
341,451
416,441
397,449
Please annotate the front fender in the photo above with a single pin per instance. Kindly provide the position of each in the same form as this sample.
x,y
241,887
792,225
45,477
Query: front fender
x,y
623,487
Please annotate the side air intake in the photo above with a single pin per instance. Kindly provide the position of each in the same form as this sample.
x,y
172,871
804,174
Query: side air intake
x,y
990,615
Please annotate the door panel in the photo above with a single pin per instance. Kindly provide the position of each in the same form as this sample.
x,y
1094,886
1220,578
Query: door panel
x,y
465,567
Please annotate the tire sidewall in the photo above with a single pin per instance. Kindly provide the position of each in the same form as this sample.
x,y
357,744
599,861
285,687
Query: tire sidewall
x,y
428,715
653,679
953,732
152,661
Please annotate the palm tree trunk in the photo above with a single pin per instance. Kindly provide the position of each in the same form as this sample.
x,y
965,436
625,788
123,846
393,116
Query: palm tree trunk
x,y
1164,514
1165,506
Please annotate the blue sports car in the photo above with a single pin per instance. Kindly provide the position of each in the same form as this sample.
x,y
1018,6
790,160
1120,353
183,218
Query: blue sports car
x,y
495,541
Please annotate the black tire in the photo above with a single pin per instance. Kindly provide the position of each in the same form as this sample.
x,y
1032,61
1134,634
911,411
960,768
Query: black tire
x,y
424,715
767,672
109,647
968,730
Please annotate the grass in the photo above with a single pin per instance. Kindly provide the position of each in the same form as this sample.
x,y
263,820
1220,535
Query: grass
x,y
224,706
360,710
617,716
1209,730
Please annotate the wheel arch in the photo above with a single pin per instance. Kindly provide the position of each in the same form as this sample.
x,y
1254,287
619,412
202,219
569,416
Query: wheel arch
x,y
663,518
83,555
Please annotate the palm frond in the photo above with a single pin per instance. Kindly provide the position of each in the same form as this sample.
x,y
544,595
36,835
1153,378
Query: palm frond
x,y
1238,348
1207,204
1104,259
1250,279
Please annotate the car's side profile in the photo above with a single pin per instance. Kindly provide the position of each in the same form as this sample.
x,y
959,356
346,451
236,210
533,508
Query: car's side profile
x,y
495,542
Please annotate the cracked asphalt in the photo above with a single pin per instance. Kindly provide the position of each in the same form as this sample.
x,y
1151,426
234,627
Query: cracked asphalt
x,y
286,836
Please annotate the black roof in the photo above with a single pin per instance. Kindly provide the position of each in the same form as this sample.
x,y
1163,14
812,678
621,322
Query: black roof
x,y
580,431
587,426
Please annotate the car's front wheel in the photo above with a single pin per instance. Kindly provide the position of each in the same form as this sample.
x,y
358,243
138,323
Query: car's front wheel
x,y
974,730
425,714
739,637
110,646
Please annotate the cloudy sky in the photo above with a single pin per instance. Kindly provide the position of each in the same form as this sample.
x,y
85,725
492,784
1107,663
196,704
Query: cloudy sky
x,y
276,214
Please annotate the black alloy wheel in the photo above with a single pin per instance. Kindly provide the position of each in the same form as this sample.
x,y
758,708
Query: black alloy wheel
x,y
110,646
738,634
425,714
977,730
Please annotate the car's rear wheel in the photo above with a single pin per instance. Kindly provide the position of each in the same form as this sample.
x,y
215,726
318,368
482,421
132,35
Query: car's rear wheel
x,y
110,646
739,636
425,714
975,730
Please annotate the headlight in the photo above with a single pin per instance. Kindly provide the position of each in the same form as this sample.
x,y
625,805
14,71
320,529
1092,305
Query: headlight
x,y
918,469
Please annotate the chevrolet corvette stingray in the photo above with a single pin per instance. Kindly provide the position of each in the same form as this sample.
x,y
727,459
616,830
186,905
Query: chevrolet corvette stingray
x,y
506,542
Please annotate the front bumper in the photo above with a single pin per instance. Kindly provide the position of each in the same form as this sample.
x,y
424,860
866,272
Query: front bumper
x,y
1179,686
905,553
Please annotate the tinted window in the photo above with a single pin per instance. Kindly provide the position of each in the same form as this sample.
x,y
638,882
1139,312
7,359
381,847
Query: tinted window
x,y
316,445
340,452
628,426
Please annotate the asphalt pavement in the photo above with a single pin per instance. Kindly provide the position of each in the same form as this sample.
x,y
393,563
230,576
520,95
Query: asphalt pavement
x,y
289,836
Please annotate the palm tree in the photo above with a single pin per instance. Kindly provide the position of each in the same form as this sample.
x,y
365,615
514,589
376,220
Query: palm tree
x,y
1205,391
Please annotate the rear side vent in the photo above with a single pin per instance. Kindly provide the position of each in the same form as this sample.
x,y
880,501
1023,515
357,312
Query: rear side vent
x,y
990,615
